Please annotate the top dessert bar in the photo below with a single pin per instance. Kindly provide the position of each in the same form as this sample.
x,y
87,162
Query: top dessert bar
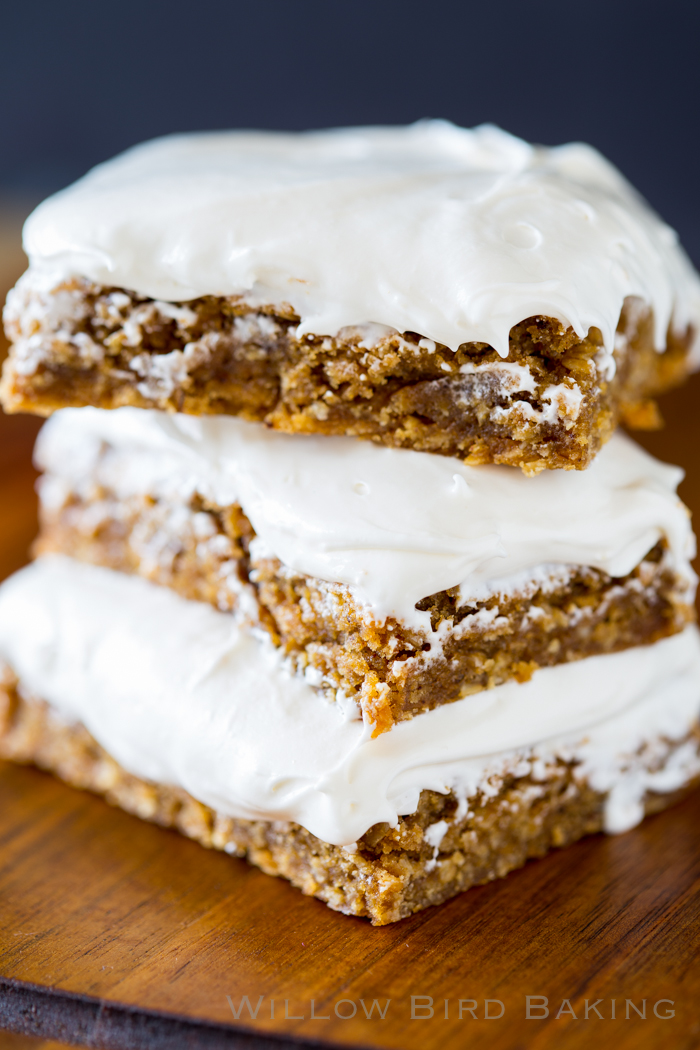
x,y
427,287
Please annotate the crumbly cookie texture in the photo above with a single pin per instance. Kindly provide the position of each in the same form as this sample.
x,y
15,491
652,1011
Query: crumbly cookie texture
x,y
390,670
551,404
443,848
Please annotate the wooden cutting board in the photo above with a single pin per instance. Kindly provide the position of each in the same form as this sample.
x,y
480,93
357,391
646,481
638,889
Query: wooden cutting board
x,y
115,933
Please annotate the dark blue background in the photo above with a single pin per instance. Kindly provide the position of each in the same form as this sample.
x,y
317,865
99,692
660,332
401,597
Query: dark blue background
x,y
82,80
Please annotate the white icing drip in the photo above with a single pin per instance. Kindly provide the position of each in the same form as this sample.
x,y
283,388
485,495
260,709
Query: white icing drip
x,y
433,835
452,233
393,524
178,695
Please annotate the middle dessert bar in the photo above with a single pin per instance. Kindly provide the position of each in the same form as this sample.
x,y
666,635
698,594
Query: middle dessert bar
x,y
591,565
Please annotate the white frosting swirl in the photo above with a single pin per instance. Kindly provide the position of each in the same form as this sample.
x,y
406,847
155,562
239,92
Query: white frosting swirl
x,y
394,524
179,696
452,233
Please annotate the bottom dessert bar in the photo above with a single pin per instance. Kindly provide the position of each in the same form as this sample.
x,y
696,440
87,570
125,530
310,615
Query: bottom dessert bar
x,y
390,873
173,712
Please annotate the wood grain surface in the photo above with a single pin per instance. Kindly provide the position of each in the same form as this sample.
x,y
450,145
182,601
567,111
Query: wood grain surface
x,y
115,933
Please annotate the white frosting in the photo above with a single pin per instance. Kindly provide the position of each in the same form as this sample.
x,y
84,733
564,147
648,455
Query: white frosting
x,y
431,228
178,695
393,524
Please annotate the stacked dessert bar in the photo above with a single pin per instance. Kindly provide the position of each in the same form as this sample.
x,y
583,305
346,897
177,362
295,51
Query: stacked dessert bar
x,y
343,565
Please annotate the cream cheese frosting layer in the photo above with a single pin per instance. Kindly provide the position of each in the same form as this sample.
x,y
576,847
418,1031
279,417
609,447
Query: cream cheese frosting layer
x,y
393,524
178,695
452,233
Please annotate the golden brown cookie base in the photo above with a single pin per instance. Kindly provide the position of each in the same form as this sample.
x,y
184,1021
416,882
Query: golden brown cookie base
x,y
82,344
390,874
392,671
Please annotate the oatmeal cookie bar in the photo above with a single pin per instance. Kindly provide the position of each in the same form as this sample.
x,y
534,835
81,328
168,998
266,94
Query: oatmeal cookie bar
x,y
551,403
429,287
392,580
433,854
392,671
170,710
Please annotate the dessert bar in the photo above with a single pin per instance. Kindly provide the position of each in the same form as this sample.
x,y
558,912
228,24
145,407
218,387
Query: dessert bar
x,y
163,707
394,580
451,291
